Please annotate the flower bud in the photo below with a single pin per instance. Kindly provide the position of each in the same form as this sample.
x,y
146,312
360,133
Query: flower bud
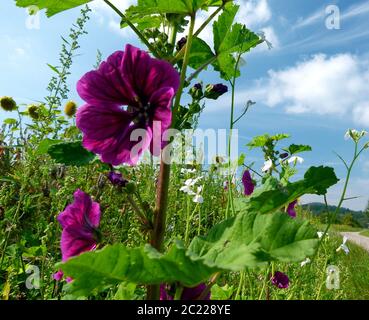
x,y
181,43
214,91
70,108
196,91
8,103
117,179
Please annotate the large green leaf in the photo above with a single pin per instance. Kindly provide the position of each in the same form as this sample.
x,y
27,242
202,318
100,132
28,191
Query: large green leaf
x,y
251,239
231,38
200,53
70,153
265,139
52,6
247,240
270,198
116,263
45,144
297,148
146,7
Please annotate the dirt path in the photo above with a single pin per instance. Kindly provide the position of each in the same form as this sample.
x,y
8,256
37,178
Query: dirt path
x,y
358,239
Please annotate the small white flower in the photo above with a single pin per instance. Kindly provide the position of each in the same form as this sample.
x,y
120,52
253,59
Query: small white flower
x,y
187,188
295,160
190,171
267,165
355,134
320,234
198,197
343,246
305,262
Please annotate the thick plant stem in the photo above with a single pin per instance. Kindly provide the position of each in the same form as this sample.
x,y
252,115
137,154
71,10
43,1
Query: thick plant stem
x,y
161,206
153,291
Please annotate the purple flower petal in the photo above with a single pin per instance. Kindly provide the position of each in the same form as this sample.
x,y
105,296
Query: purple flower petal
x,y
79,221
247,182
146,74
195,292
187,293
291,209
132,78
280,280
58,275
107,84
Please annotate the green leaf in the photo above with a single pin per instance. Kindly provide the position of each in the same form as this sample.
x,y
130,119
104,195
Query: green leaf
x,y
146,7
125,291
52,6
221,293
45,144
10,121
272,197
145,265
297,148
200,53
142,22
251,239
55,69
231,38
247,240
263,140
70,154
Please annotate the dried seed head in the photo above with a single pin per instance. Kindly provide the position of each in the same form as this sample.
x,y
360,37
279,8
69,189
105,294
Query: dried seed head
x,y
33,111
70,108
8,103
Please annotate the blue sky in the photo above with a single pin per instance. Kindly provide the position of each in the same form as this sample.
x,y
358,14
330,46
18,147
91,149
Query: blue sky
x,y
313,84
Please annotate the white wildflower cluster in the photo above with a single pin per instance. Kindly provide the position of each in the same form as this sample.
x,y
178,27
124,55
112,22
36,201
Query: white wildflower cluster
x,y
192,188
355,135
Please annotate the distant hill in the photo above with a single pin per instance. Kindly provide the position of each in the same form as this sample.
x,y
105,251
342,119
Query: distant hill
x,y
318,208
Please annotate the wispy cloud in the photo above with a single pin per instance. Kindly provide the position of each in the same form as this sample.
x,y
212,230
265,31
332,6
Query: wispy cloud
x,y
323,85
319,15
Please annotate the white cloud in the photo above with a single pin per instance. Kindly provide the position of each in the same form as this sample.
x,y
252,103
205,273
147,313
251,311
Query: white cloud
x,y
104,15
253,13
335,85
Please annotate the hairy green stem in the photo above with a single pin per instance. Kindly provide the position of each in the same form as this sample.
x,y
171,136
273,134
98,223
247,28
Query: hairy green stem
x,y
184,67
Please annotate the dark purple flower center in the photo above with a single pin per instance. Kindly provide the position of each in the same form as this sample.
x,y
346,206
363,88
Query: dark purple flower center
x,y
142,114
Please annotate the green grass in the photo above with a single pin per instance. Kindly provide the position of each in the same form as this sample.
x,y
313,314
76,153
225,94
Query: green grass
x,y
344,228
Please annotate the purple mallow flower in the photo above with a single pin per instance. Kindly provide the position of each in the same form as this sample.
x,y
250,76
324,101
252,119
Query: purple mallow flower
x,y
79,221
117,179
146,86
280,280
247,182
291,209
214,91
187,293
